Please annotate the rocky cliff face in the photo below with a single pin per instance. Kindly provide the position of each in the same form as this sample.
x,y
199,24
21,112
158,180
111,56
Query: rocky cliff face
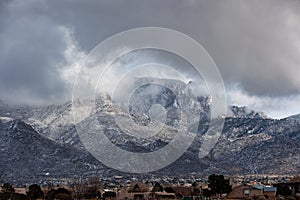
x,y
44,139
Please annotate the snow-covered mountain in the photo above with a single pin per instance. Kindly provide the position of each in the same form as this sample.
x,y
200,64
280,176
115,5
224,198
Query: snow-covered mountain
x,y
28,156
250,142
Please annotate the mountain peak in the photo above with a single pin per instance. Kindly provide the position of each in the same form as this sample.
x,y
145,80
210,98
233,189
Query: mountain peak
x,y
244,112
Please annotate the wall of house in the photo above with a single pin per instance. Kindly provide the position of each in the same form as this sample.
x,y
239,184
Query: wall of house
x,y
255,192
271,195
238,192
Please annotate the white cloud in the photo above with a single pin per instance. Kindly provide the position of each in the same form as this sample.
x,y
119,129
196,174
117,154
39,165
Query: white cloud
x,y
275,107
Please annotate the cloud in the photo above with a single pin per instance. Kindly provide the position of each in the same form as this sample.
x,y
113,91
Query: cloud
x,y
250,44
275,107
256,44
120,77
34,51
258,49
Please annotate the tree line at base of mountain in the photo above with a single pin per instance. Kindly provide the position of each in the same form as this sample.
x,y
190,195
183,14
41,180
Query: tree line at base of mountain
x,y
8,192
79,190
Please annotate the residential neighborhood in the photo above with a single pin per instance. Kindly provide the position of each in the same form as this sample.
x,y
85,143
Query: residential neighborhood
x,y
214,187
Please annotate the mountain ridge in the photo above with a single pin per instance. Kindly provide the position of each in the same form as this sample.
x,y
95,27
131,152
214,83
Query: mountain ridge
x,y
248,142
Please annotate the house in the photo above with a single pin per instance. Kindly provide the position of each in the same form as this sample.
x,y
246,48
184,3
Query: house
x,y
186,192
141,191
160,195
136,190
157,188
252,192
245,192
270,192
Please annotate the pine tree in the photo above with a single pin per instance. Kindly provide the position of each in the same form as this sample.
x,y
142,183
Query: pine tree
x,y
218,184
35,192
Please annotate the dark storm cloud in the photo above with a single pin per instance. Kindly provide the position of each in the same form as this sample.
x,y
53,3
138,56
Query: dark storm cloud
x,y
31,53
259,46
256,44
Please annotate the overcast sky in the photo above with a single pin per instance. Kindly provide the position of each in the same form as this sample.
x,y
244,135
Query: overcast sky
x,y
255,44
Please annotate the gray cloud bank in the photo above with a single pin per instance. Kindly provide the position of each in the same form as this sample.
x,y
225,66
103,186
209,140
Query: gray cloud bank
x,y
256,44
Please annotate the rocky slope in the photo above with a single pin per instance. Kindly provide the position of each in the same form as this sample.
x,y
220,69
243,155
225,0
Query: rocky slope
x,y
29,156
